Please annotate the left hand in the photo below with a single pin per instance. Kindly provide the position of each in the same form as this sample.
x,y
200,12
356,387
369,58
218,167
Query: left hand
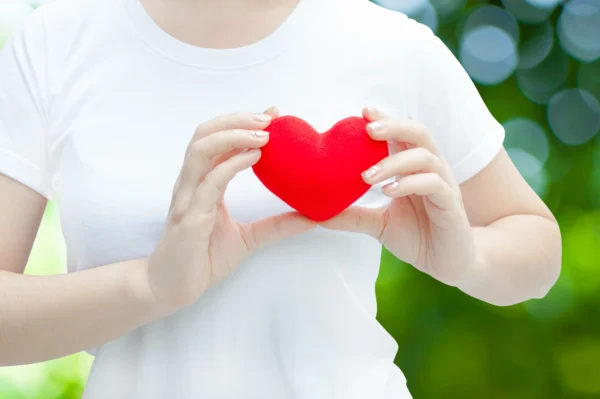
x,y
425,224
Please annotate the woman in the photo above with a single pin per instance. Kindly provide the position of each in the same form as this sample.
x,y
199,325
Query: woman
x,y
188,278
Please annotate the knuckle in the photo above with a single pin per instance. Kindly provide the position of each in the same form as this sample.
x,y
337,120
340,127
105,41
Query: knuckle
x,y
423,158
202,130
177,213
212,185
199,148
191,222
438,182
432,159
199,130
418,127
457,194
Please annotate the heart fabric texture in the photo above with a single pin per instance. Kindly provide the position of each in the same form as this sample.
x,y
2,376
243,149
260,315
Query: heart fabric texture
x,y
318,174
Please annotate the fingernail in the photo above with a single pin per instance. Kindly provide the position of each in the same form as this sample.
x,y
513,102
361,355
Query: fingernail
x,y
375,127
372,171
372,110
262,117
260,133
391,186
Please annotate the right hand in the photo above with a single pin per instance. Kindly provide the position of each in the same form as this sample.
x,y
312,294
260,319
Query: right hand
x,y
201,244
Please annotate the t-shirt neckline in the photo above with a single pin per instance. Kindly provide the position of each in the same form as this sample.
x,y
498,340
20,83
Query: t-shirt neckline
x,y
215,58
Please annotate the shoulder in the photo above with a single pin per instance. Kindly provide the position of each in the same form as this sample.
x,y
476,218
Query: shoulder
x,y
68,29
61,16
67,20
381,32
74,11
57,20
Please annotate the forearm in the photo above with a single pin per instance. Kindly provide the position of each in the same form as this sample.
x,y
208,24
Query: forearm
x,y
45,317
519,258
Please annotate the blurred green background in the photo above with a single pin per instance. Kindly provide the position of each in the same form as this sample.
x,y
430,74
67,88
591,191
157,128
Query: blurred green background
x,y
537,65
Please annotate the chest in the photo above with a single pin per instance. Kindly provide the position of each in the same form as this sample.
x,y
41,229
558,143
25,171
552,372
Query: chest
x,y
125,137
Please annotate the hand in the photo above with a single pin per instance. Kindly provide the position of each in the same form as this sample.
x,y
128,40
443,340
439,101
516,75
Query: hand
x,y
201,244
425,224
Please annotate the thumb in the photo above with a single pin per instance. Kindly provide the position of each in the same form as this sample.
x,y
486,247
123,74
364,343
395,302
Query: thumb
x,y
274,228
358,219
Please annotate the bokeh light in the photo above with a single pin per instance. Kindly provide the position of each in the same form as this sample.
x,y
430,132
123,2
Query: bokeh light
x,y
530,12
588,78
493,16
488,54
540,82
419,10
574,116
531,169
579,29
447,9
535,48
529,136
488,44
544,4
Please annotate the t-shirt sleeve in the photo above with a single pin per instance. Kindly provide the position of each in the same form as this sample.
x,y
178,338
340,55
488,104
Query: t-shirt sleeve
x,y
449,105
23,141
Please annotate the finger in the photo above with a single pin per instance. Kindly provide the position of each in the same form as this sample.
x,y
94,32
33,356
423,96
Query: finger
x,y
199,160
208,192
358,219
271,111
224,157
221,142
238,120
430,185
415,160
408,131
266,231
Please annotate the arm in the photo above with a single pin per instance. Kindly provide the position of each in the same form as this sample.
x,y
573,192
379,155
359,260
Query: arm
x,y
492,236
44,317
516,236
517,240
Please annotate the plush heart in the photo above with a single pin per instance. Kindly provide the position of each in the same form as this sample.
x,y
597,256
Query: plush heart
x,y
319,175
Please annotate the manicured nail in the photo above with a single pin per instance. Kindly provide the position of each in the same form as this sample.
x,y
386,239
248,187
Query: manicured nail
x,y
372,171
375,127
390,187
262,117
259,134
372,111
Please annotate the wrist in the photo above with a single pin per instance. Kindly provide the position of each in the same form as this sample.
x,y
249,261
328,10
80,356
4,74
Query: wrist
x,y
138,286
474,271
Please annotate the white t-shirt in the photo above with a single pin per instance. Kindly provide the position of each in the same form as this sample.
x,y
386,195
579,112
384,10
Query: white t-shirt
x,y
97,106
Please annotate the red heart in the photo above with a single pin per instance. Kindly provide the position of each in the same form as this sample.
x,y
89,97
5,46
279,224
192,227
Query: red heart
x,y
319,175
